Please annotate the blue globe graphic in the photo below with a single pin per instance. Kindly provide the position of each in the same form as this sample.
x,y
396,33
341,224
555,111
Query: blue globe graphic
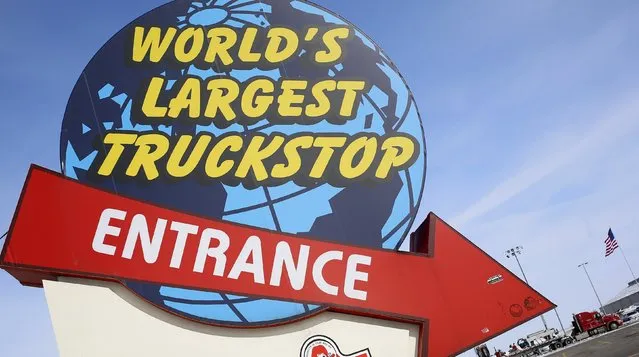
x,y
102,101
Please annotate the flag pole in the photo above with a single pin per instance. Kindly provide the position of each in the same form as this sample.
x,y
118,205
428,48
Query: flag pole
x,y
626,259
628,264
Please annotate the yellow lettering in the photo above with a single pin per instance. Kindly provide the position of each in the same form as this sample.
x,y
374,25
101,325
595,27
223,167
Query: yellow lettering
x,y
151,148
254,105
152,44
223,92
276,36
310,33
254,156
333,50
117,142
190,34
350,89
174,166
348,169
262,158
327,145
150,106
188,97
398,150
245,53
214,168
292,156
323,105
221,39
288,98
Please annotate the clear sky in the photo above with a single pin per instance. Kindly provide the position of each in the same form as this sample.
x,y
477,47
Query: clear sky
x,y
531,111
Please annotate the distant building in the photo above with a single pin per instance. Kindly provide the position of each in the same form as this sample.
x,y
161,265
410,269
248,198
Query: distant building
x,y
626,297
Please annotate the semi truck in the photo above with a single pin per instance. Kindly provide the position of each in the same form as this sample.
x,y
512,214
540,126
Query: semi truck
x,y
584,325
594,323
540,342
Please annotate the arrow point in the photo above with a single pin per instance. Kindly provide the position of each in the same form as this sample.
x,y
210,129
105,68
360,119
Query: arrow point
x,y
480,298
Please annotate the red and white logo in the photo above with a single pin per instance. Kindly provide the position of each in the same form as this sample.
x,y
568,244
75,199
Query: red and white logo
x,y
322,346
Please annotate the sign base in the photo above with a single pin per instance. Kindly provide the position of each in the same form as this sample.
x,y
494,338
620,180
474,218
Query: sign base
x,y
104,319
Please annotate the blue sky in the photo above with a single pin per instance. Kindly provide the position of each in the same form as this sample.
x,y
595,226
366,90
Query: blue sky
x,y
531,111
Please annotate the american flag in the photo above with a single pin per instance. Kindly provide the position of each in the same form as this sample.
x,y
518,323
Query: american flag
x,y
611,243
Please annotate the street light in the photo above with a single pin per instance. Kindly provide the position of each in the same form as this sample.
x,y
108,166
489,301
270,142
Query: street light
x,y
513,253
583,265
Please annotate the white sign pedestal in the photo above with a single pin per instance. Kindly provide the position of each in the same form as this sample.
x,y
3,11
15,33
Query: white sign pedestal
x,y
102,319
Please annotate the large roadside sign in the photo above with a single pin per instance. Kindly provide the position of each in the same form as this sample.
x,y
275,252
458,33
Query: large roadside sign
x,y
251,164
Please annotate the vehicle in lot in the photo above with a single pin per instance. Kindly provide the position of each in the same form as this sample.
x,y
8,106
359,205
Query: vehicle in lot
x,y
482,351
593,323
629,314
539,343
621,343
584,324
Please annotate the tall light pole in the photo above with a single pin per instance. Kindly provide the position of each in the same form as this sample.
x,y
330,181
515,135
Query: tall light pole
x,y
560,324
583,265
513,253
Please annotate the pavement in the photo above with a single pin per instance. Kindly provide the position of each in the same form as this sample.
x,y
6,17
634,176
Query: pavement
x,y
623,342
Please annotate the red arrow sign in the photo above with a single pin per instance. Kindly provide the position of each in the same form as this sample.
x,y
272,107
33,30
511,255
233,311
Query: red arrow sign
x,y
459,295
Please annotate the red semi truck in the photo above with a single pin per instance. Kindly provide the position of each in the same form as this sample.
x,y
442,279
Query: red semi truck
x,y
594,322
549,340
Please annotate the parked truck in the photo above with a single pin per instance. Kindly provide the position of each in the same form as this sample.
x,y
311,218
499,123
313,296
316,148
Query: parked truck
x,y
544,341
594,323
539,343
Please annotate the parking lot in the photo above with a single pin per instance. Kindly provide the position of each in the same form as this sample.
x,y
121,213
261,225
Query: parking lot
x,y
620,343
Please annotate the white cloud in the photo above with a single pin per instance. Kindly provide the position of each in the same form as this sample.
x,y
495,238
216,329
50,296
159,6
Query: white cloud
x,y
619,121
